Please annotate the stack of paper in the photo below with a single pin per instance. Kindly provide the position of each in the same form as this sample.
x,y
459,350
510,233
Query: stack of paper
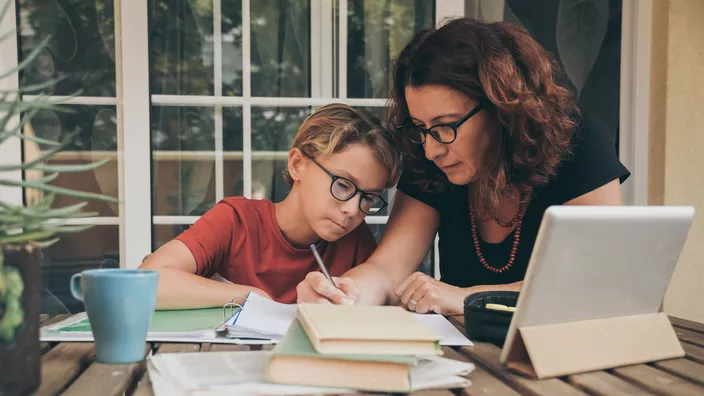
x,y
260,319
263,320
218,373
243,373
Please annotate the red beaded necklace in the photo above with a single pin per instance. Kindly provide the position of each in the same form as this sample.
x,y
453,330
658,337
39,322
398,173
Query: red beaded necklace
x,y
517,220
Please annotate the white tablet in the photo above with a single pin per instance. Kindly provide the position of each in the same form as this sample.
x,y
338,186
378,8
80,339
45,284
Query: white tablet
x,y
596,262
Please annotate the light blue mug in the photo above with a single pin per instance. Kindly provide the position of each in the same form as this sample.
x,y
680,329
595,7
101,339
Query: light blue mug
x,y
120,304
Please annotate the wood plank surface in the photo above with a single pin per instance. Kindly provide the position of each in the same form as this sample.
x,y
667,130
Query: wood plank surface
x,y
144,384
178,348
62,364
229,348
690,336
483,383
658,381
70,368
687,324
45,347
107,379
602,383
684,368
693,352
487,355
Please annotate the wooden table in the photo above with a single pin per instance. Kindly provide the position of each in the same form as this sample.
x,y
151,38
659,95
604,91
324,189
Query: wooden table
x,y
70,369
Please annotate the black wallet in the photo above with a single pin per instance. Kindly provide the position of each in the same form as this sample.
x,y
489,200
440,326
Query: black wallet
x,y
488,325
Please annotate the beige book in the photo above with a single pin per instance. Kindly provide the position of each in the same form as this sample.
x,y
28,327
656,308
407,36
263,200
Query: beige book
x,y
362,330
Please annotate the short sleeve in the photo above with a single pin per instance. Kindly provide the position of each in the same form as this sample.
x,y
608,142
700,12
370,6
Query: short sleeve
x,y
408,185
366,244
210,238
594,161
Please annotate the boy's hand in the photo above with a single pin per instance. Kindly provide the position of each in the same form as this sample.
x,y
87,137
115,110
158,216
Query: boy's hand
x,y
315,288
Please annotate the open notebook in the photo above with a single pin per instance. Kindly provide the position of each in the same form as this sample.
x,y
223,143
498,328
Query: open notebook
x,y
263,320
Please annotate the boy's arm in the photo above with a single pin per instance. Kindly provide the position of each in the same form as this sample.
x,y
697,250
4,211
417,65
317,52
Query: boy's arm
x,y
408,236
181,288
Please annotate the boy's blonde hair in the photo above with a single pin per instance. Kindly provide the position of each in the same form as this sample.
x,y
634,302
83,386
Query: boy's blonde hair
x,y
334,127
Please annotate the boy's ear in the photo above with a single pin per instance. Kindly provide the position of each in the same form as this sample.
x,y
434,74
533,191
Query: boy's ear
x,y
295,163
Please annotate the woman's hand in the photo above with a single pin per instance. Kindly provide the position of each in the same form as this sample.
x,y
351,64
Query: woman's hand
x,y
422,294
315,288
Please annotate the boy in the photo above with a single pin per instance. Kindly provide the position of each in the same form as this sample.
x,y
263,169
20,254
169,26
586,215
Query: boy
x,y
341,160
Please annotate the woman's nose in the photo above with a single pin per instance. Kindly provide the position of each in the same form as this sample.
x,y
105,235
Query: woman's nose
x,y
433,148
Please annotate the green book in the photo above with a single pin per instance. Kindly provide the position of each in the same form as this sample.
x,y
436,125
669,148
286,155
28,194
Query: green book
x,y
294,361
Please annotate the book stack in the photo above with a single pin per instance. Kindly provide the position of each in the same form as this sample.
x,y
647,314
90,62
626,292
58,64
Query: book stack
x,y
373,348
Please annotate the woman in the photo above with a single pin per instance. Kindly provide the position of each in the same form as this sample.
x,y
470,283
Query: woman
x,y
493,141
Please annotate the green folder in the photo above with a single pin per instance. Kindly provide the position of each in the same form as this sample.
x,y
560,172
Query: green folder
x,y
171,321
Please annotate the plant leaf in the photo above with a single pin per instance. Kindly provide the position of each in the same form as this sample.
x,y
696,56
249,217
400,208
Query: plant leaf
x,y
72,168
25,237
35,87
580,31
37,139
28,60
46,156
59,190
45,244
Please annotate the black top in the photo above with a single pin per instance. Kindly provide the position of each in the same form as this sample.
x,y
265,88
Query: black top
x,y
593,164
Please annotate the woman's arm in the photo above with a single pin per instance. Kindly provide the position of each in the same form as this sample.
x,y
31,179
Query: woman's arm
x,y
181,288
421,293
408,236
608,194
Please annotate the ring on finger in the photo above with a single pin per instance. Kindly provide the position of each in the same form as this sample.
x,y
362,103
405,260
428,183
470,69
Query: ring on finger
x,y
412,302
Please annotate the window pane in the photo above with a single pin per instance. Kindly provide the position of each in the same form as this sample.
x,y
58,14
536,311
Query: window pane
x,y
273,131
97,139
426,266
97,247
81,49
231,28
184,161
280,48
589,51
181,47
233,172
165,232
377,32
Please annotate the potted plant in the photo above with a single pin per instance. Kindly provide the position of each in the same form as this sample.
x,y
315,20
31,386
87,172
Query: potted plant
x,y
26,230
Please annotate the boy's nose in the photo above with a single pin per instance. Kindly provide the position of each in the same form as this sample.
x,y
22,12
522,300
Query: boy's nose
x,y
351,206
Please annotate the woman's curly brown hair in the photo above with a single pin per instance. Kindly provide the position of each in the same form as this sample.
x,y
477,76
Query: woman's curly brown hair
x,y
502,66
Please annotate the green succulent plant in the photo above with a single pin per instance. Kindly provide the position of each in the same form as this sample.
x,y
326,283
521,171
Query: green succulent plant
x,y
37,225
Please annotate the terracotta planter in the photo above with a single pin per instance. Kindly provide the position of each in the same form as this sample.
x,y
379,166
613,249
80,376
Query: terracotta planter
x,y
20,293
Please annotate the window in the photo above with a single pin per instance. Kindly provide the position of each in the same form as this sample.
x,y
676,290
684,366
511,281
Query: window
x,y
583,37
230,82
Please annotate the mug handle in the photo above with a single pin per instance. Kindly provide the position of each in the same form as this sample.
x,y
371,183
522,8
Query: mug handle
x,y
76,289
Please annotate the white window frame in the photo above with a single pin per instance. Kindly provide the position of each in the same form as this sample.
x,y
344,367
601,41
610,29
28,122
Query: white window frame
x,y
634,119
11,150
133,106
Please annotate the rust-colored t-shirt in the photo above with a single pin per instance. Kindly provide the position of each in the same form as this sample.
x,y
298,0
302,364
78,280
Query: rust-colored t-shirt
x,y
240,240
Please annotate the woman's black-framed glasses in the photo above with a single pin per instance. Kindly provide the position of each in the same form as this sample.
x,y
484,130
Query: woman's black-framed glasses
x,y
344,189
443,133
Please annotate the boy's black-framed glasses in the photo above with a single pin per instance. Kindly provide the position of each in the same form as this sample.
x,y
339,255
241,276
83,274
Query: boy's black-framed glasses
x,y
344,189
443,133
